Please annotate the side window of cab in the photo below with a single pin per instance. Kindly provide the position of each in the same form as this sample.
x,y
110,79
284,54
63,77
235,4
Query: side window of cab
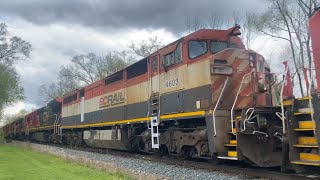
x,y
197,48
173,57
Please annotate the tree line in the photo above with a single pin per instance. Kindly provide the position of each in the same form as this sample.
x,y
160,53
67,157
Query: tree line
x,y
88,68
12,50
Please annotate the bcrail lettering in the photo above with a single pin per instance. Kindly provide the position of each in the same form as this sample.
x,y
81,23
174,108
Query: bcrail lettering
x,y
111,100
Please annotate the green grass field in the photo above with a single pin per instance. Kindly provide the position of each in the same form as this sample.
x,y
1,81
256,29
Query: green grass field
x,y
20,163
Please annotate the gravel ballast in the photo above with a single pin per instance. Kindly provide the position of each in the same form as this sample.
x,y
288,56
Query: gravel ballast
x,y
137,168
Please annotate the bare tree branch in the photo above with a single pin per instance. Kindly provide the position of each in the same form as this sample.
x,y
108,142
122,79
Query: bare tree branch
x,y
145,48
83,70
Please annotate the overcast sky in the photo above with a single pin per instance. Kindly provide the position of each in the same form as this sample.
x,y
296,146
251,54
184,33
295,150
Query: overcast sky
x,y
60,29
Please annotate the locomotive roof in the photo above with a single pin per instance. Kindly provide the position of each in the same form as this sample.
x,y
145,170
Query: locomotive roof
x,y
41,109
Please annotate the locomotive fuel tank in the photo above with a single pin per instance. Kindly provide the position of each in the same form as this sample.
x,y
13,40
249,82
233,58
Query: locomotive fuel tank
x,y
112,139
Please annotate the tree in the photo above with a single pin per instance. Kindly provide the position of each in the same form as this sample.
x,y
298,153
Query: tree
x,y
215,21
194,24
11,118
247,30
10,90
145,48
288,21
88,68
13,48
84,70
56,90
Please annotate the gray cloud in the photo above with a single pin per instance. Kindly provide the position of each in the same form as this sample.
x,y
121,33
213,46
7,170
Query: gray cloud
x,y
55,44
116,14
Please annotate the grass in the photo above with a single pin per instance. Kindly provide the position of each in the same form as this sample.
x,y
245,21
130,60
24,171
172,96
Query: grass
x,y
22,163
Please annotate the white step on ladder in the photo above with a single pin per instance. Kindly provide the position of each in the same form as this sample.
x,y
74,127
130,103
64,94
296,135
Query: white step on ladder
x,y
155,132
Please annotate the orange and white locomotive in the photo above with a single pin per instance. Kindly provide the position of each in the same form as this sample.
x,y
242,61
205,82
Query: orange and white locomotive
x,y
203,96
197,97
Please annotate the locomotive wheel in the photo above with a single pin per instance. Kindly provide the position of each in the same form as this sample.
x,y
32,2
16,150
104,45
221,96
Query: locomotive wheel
x,y
189,152
71,143
163,151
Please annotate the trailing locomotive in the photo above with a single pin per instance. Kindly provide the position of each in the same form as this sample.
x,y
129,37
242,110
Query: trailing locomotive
x,y
203,96
303,114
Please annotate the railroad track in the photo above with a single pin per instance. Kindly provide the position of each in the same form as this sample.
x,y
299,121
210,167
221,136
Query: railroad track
x,y
230,167
248,172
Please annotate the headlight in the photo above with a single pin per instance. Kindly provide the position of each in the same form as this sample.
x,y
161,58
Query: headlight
x,y
261,87
262,122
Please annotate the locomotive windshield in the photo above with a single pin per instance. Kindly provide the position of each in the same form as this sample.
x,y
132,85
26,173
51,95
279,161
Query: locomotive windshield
x,y
233,45
216,46
197,48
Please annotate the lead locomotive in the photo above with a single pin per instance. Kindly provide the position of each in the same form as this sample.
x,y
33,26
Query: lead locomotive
x,y
203,96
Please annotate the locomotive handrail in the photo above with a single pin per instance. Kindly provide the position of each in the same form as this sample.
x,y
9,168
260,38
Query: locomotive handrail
x,y
148,123
149,95
310,103
281,102
259,132
281,116
235,101
27,130
247,119
312,118
58,126
216,106
55,123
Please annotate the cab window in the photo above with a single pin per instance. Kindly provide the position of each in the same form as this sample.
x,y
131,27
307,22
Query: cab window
x,y
217,46
260,66
154,64
172,58
197,48
233,45
178,53
169,59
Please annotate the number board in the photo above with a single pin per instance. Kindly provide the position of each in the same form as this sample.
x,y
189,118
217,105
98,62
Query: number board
x,y
171,83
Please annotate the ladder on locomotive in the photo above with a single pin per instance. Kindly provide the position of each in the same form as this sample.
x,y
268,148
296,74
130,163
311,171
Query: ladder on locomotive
x,y
303,127
154,100
154,120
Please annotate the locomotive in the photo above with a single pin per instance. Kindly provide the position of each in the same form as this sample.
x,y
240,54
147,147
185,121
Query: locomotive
x,y
303,114
202,96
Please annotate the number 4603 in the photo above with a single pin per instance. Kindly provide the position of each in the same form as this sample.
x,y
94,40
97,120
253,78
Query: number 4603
x,y
172,83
